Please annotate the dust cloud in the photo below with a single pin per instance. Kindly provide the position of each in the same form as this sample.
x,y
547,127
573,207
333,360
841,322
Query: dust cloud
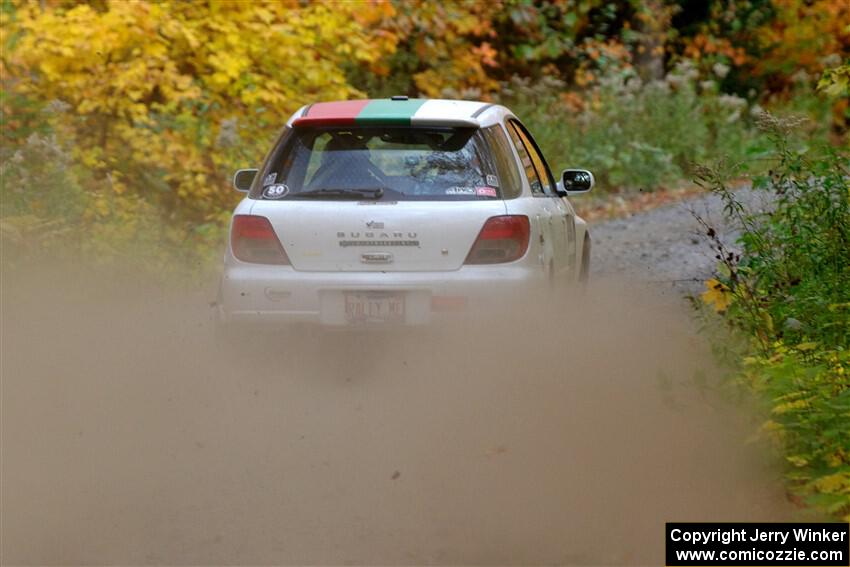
x,y
568,437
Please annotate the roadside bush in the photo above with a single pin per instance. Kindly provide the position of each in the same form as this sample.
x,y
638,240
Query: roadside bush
x,y
786,284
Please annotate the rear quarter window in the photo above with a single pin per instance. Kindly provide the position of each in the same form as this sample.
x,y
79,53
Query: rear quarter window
x,y
503,161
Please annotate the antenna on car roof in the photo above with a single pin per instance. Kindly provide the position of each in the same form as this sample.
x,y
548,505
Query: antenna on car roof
x,y
398,97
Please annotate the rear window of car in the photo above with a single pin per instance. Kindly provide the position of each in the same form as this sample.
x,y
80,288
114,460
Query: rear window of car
x,y
389,163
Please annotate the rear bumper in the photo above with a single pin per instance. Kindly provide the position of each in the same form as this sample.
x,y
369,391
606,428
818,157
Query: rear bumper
x,y
260,294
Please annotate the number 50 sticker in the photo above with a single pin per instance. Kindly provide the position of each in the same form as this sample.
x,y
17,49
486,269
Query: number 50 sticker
x,y
276,191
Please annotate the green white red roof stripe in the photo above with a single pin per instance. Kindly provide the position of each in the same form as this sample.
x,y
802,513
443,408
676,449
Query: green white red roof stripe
x,y
407,112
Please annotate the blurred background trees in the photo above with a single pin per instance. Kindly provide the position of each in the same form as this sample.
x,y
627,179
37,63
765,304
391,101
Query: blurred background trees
x,y
128,118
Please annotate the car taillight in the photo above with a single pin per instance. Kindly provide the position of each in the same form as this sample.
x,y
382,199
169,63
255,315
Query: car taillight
x,y
503,239
252,239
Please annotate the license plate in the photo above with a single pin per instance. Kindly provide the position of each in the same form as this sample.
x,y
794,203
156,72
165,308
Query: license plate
x,y
374,307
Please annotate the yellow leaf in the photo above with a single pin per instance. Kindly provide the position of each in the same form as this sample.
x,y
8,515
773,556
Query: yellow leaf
x,y
786,407
717,294
797,461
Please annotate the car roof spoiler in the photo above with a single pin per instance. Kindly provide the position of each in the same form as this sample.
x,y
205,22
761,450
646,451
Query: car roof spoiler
x,y
390,112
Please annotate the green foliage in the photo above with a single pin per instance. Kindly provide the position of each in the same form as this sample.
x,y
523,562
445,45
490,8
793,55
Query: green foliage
x,y
793,259
636,135
788,287
806,393
538,36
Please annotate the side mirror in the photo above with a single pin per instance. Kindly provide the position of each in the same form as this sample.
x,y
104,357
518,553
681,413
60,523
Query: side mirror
x,y
243,179
576,181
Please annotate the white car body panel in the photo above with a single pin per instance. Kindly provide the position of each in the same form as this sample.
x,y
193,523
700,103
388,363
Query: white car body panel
x,y
429,276
312,237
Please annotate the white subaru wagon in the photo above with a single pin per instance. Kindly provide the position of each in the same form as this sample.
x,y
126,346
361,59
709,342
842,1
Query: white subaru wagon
x,y
399,212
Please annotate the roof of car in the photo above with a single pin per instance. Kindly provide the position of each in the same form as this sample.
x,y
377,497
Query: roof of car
x,y
399,111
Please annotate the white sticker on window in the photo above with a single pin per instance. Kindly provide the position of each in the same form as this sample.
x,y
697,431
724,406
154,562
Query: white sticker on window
x,y
270,178
460,191
492,180
276,191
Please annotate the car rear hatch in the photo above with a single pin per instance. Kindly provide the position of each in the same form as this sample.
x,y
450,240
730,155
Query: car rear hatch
x,y
378,236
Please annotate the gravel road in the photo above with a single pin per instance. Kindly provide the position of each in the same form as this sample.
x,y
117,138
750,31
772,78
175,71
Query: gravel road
x,y
665,246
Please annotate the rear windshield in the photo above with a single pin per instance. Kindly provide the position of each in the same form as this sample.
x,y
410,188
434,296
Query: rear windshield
x,y
386,163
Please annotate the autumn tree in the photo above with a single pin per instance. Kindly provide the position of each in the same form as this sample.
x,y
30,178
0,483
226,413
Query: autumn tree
x,y
165,99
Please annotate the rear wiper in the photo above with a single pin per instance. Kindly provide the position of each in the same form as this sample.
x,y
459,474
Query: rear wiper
x,y
358,193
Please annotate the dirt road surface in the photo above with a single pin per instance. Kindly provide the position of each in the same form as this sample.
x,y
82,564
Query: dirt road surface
x,y
666,248
129,437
